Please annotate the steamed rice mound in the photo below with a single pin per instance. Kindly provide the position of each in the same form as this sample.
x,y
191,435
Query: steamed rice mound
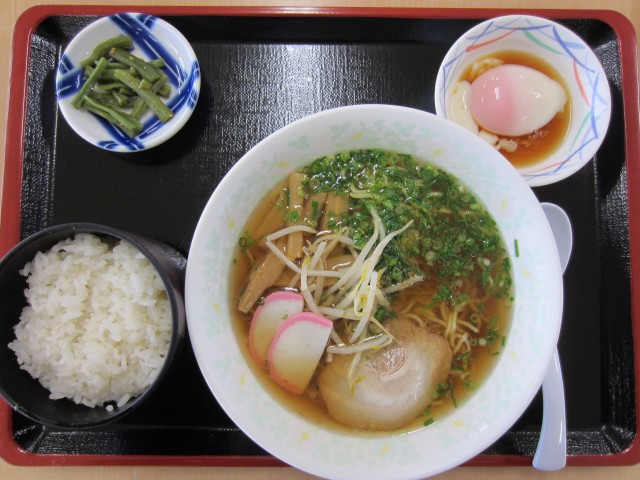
x,y
97,325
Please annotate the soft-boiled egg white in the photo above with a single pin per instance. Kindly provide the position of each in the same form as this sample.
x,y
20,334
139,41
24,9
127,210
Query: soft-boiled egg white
x,y
461,114
513,100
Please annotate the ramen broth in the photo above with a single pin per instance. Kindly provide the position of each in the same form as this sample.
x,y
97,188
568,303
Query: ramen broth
x,y
482,311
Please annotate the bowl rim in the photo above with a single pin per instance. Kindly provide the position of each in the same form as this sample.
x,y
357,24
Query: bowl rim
x,y
225,189
178,317
157,132
556,168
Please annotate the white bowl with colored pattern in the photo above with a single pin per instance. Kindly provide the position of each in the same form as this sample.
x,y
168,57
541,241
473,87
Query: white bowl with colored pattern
x,y
464,432
567,53
152,38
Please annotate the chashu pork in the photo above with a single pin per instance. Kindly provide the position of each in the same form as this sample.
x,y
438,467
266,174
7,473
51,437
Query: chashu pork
x,y
393,385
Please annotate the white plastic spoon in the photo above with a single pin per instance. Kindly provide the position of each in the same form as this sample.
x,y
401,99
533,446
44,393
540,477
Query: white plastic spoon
x,y
551,453
562,232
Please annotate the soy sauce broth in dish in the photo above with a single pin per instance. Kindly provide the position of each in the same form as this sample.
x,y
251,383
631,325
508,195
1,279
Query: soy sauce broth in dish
x,y
373,291
524,110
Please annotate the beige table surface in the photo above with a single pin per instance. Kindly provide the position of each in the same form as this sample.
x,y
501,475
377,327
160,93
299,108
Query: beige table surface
x,y
10,10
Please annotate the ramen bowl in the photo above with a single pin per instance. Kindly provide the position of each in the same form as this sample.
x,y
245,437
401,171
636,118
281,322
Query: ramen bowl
x,y
153,38
574,65
342,453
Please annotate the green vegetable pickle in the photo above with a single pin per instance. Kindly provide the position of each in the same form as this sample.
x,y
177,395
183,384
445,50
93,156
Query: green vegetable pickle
x,y
122,90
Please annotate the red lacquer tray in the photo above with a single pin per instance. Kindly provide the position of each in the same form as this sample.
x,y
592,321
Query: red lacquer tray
x,y
262,68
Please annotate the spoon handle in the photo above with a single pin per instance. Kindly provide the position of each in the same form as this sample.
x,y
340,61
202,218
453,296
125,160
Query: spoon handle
x,y
551,453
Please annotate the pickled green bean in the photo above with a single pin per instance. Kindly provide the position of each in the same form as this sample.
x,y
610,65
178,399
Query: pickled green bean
x,y
125,122
101,51
146,70
156,105
160,87
91,81
121,87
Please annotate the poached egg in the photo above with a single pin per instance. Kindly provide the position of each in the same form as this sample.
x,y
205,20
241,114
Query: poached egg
x,y
514,100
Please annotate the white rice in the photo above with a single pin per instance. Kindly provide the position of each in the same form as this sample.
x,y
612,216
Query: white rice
x,y
97,325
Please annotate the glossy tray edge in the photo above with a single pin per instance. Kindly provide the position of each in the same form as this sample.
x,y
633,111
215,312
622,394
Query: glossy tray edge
x,y
10,222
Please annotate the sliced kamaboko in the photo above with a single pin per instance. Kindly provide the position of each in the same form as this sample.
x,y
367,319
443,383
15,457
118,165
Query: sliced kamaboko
x,y
297,349
393,385
513,100
277,308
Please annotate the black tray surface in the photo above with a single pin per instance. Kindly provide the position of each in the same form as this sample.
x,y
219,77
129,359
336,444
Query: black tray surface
x,y
258,74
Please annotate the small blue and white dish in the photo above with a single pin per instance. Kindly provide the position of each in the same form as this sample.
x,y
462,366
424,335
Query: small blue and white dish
x,y
152,38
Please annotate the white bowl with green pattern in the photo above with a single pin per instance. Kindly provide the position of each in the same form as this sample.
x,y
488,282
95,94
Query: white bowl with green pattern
x,y
465,431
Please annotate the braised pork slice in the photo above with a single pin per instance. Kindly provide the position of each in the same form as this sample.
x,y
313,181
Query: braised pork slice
x,y
392,385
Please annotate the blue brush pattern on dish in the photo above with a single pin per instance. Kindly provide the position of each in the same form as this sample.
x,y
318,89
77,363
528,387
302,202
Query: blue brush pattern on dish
x,y
145,40
184,82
